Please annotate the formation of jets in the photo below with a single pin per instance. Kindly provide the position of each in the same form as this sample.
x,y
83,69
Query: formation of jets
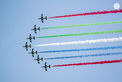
x,y
30,38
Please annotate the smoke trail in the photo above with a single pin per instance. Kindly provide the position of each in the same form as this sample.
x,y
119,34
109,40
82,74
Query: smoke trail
x,y
103,54
81,34
90,13
88,49
105,23
83,42
89,63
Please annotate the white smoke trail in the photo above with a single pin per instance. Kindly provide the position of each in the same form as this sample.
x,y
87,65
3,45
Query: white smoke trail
x,y
83,42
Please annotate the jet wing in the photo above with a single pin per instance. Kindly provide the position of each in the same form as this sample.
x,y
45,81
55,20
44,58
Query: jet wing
x,y
26,48
32,55
35,31
42,21
38,62
34,26
45,63
45,69
30,40
29,35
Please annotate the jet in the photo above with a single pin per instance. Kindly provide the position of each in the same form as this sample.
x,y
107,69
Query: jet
x,y
42,18
30,38
35,29
27,46
38,59
33,52
46,66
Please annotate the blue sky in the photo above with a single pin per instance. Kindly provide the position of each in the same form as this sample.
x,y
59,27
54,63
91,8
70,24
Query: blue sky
x,y
19,16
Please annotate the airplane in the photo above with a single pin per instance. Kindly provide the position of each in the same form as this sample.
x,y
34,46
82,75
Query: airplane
x,y
27,46
35,29
46,66
42,18
32,52
38,59
30,38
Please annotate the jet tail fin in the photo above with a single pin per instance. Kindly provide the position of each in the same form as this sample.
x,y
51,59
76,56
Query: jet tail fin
x,y
39,28
42,59
34,37
36,52
46,17
30,45
49,66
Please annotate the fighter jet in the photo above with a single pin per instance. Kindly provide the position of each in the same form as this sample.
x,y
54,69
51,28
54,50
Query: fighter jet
x,y
42,18
38,59
33,52
27,46
30,38
46,66
35,29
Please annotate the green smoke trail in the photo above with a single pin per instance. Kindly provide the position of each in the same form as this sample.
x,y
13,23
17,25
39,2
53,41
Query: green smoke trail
x,y
80,34
104,23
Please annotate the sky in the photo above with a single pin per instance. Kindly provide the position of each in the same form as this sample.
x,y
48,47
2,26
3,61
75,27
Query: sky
x,y
18,17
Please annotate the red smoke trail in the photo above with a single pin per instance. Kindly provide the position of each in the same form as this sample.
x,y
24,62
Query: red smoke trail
x,y
89,63
90,13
